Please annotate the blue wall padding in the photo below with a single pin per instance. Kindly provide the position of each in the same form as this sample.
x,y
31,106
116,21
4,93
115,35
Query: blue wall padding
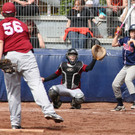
x,y
96,84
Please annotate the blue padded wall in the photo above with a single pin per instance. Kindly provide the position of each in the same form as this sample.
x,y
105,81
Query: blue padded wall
x,y
96,84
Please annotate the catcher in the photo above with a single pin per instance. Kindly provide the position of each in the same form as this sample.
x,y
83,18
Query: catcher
x,y
71,75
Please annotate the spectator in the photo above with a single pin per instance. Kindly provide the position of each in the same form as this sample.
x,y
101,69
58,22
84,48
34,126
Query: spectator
x,y
35,37
78,25
123,15
26,7
114,9
93,6
102,13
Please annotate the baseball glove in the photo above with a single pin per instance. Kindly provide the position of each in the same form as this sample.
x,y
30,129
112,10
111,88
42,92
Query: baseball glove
x,y
7,66
98,52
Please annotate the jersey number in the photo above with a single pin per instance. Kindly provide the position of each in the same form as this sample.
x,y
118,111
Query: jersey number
x,y
9,29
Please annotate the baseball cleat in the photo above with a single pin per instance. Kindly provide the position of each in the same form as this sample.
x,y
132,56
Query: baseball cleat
x,y
54,117
133,105
16,127
76,106
119,108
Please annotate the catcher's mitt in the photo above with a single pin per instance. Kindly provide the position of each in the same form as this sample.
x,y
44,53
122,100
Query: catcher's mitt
x,y
98,52
118,31
7,66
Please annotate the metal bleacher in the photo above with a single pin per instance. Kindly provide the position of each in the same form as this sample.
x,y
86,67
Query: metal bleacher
x,y
52,29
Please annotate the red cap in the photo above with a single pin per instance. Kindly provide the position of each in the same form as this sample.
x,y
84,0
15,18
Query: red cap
x,y
8,7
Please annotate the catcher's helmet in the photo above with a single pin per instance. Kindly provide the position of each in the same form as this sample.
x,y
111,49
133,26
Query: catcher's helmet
x,y
132,27
72,51
8,7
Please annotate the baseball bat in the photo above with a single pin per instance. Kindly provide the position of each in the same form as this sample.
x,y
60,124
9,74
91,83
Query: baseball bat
x,y
128,14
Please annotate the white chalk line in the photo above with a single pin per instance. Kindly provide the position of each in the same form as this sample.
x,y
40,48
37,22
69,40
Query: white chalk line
x,y
86,111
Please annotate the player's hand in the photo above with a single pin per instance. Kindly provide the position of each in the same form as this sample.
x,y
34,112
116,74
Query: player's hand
x,y
131,41
118,31
43,79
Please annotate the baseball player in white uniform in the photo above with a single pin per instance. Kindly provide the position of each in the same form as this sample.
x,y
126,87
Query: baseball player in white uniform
x,y
15,45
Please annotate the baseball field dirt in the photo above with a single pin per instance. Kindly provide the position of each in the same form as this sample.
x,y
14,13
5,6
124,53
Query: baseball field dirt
x,y
92,119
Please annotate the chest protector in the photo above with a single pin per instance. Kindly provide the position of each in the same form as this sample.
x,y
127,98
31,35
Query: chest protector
x,y
70,74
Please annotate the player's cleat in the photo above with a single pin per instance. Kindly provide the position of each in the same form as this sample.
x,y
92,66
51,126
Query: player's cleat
x,y
119,108
75,106
16,127
133,105
54,117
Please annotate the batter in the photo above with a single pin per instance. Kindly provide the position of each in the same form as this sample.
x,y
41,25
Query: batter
x,y
127,73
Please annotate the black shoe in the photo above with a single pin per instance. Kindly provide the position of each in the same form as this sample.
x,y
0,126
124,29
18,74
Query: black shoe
x,y
119,108
133,105
16,127
57,104
76,106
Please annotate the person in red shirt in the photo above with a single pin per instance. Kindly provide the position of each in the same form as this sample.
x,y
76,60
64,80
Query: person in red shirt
x,y
70,84
15,45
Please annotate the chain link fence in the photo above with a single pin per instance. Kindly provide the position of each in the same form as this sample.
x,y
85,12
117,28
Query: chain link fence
x,y
49,19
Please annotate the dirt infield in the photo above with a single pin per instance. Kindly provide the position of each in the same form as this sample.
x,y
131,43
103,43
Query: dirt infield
x,y
92,119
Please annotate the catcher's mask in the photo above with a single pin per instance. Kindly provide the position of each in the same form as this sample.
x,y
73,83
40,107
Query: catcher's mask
x,y
72,51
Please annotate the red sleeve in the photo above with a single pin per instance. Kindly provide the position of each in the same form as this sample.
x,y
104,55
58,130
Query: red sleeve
x,y
84,67
58,72
1,33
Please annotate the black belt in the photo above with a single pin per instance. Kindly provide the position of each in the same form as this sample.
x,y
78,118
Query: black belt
x,y
5,53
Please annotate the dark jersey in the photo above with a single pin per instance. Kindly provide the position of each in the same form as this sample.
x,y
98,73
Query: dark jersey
x,y
128,52
79,18
71,74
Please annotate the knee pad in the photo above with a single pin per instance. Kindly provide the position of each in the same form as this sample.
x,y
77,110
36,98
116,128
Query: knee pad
x,y
53,94
79,98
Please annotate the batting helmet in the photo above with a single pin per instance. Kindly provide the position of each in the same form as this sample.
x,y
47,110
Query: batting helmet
x,y
132,27
72,51
8,7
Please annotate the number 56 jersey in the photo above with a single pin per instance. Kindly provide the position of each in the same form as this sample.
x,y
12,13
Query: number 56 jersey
x,y
14,33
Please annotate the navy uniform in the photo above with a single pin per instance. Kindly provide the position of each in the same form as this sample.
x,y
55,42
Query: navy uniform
x,y
70,83
126,74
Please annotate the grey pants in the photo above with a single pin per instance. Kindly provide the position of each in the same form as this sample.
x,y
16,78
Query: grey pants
x,y
28,69
63,91
127,75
